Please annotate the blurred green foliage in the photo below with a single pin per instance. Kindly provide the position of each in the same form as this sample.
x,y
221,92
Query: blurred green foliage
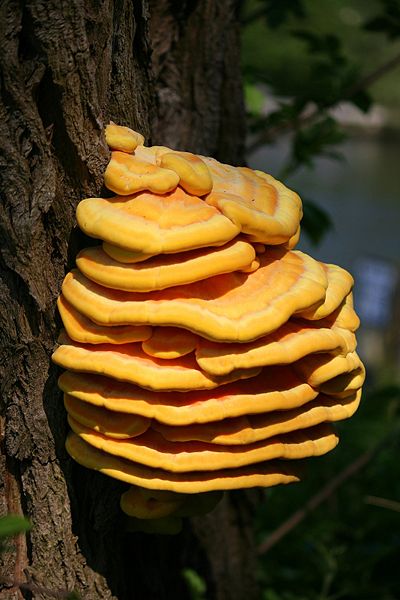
x,y
301,59
388,21
348,547
272,54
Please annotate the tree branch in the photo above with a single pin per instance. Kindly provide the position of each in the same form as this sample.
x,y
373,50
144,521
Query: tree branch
x,y
383,502
371,78
30,586
313,503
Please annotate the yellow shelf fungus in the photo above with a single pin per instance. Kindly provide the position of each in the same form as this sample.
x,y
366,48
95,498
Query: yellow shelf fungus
x,y
202,353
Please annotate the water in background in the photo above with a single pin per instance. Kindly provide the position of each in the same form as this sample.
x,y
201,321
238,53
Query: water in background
x,y
362,196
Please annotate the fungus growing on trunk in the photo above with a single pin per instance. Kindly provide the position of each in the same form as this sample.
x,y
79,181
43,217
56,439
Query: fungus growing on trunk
x,y
202,352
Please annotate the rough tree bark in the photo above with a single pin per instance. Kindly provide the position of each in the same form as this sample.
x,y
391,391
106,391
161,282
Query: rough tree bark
x,y
169,69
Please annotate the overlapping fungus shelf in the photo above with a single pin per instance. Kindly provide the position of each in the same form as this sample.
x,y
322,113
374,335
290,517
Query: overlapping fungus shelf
x,y
202,353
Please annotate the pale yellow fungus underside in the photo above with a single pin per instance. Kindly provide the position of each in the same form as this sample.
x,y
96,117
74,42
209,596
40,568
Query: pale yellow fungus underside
x,y
143,503
135,503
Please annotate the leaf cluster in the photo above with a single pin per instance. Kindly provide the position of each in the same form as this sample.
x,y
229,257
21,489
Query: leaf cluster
x,y
320,75
388,21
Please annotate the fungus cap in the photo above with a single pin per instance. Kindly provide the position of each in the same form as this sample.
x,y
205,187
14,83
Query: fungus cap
x,y
292,341
127,174
164,271
129,363
194,175
152,450
266,474
110,423
344,316
153,224
317,369
124,256
264,208
345,384
83,330
241,354
276,388
254,428
229,307
293,241
340,284
122,138
170,342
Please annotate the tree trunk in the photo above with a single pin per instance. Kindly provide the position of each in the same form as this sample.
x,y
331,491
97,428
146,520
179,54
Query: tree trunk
x,y
169,69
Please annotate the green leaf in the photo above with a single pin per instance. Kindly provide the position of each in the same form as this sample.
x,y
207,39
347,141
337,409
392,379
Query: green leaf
x,y
276,13
316,222
314,141
73,596
326,44
11,525
388,22
284,116
362,100
196,584
254,98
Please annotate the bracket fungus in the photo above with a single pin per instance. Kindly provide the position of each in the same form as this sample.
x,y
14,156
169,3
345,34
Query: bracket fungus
x,y
202,352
